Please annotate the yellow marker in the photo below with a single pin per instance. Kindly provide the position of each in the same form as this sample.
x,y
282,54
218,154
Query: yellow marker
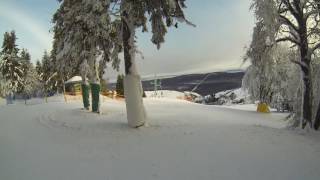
x,y
263,108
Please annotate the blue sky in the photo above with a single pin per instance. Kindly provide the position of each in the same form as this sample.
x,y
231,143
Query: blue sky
x,y
223,29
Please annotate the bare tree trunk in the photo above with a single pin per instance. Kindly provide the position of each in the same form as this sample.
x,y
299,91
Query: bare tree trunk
x,y
25,99
64,91
95,87
136,114
46,96
317,120
307,93
306,70
307,102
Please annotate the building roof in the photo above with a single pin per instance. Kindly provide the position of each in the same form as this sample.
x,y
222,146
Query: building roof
x,y
74,79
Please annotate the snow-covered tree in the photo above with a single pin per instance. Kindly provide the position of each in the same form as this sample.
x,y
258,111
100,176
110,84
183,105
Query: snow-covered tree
x,y
47,74
82,41
3,86
259,77
25,58
25,65
38,67
129,16
32,82
296,23
10,66
272,81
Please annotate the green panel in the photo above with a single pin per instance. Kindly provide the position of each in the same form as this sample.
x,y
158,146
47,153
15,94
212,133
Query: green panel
x,y
85,95
77,88
95,92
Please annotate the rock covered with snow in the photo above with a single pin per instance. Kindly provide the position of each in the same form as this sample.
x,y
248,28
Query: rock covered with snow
x,y
235,96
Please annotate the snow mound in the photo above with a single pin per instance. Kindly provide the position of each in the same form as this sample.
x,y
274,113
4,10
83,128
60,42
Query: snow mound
x,y
239,93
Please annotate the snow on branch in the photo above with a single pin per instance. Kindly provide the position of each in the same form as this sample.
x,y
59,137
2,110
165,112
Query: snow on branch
x,y
292,40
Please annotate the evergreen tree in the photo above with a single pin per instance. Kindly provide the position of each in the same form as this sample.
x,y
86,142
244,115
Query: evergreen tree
x,y
82,42
10,66
32,82
2,86
119,85
38,67
25,56
47,75
25,64
104,86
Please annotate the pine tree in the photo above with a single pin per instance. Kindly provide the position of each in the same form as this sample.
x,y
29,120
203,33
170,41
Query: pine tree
x,y
82,41
38,67
25,56
32,82
47,75
10,66
104,86
119,85
25,64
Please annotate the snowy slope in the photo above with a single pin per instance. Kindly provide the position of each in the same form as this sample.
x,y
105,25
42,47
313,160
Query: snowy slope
x,y
184,141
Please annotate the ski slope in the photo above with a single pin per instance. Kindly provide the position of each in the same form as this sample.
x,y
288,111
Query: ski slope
x,y
183,141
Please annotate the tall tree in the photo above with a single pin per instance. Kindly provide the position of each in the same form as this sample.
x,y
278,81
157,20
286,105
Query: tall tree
x,y
316,87
317,120
47,75
119,85
10,66
25,65
131,15
82,42
32,82
258,78
38,67
25,57
295,22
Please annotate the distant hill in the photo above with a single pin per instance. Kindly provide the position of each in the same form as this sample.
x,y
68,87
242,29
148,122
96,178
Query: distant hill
x,y
215,82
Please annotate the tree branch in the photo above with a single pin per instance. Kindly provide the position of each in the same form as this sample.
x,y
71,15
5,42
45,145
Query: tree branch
x,y
289,23
290,39
317,46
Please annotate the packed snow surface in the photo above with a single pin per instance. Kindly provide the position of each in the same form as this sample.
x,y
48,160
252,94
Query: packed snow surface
x,y
2,101
183,141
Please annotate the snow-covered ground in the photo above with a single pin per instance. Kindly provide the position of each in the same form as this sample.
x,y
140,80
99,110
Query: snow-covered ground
x,y
244,107
184,141
2,101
